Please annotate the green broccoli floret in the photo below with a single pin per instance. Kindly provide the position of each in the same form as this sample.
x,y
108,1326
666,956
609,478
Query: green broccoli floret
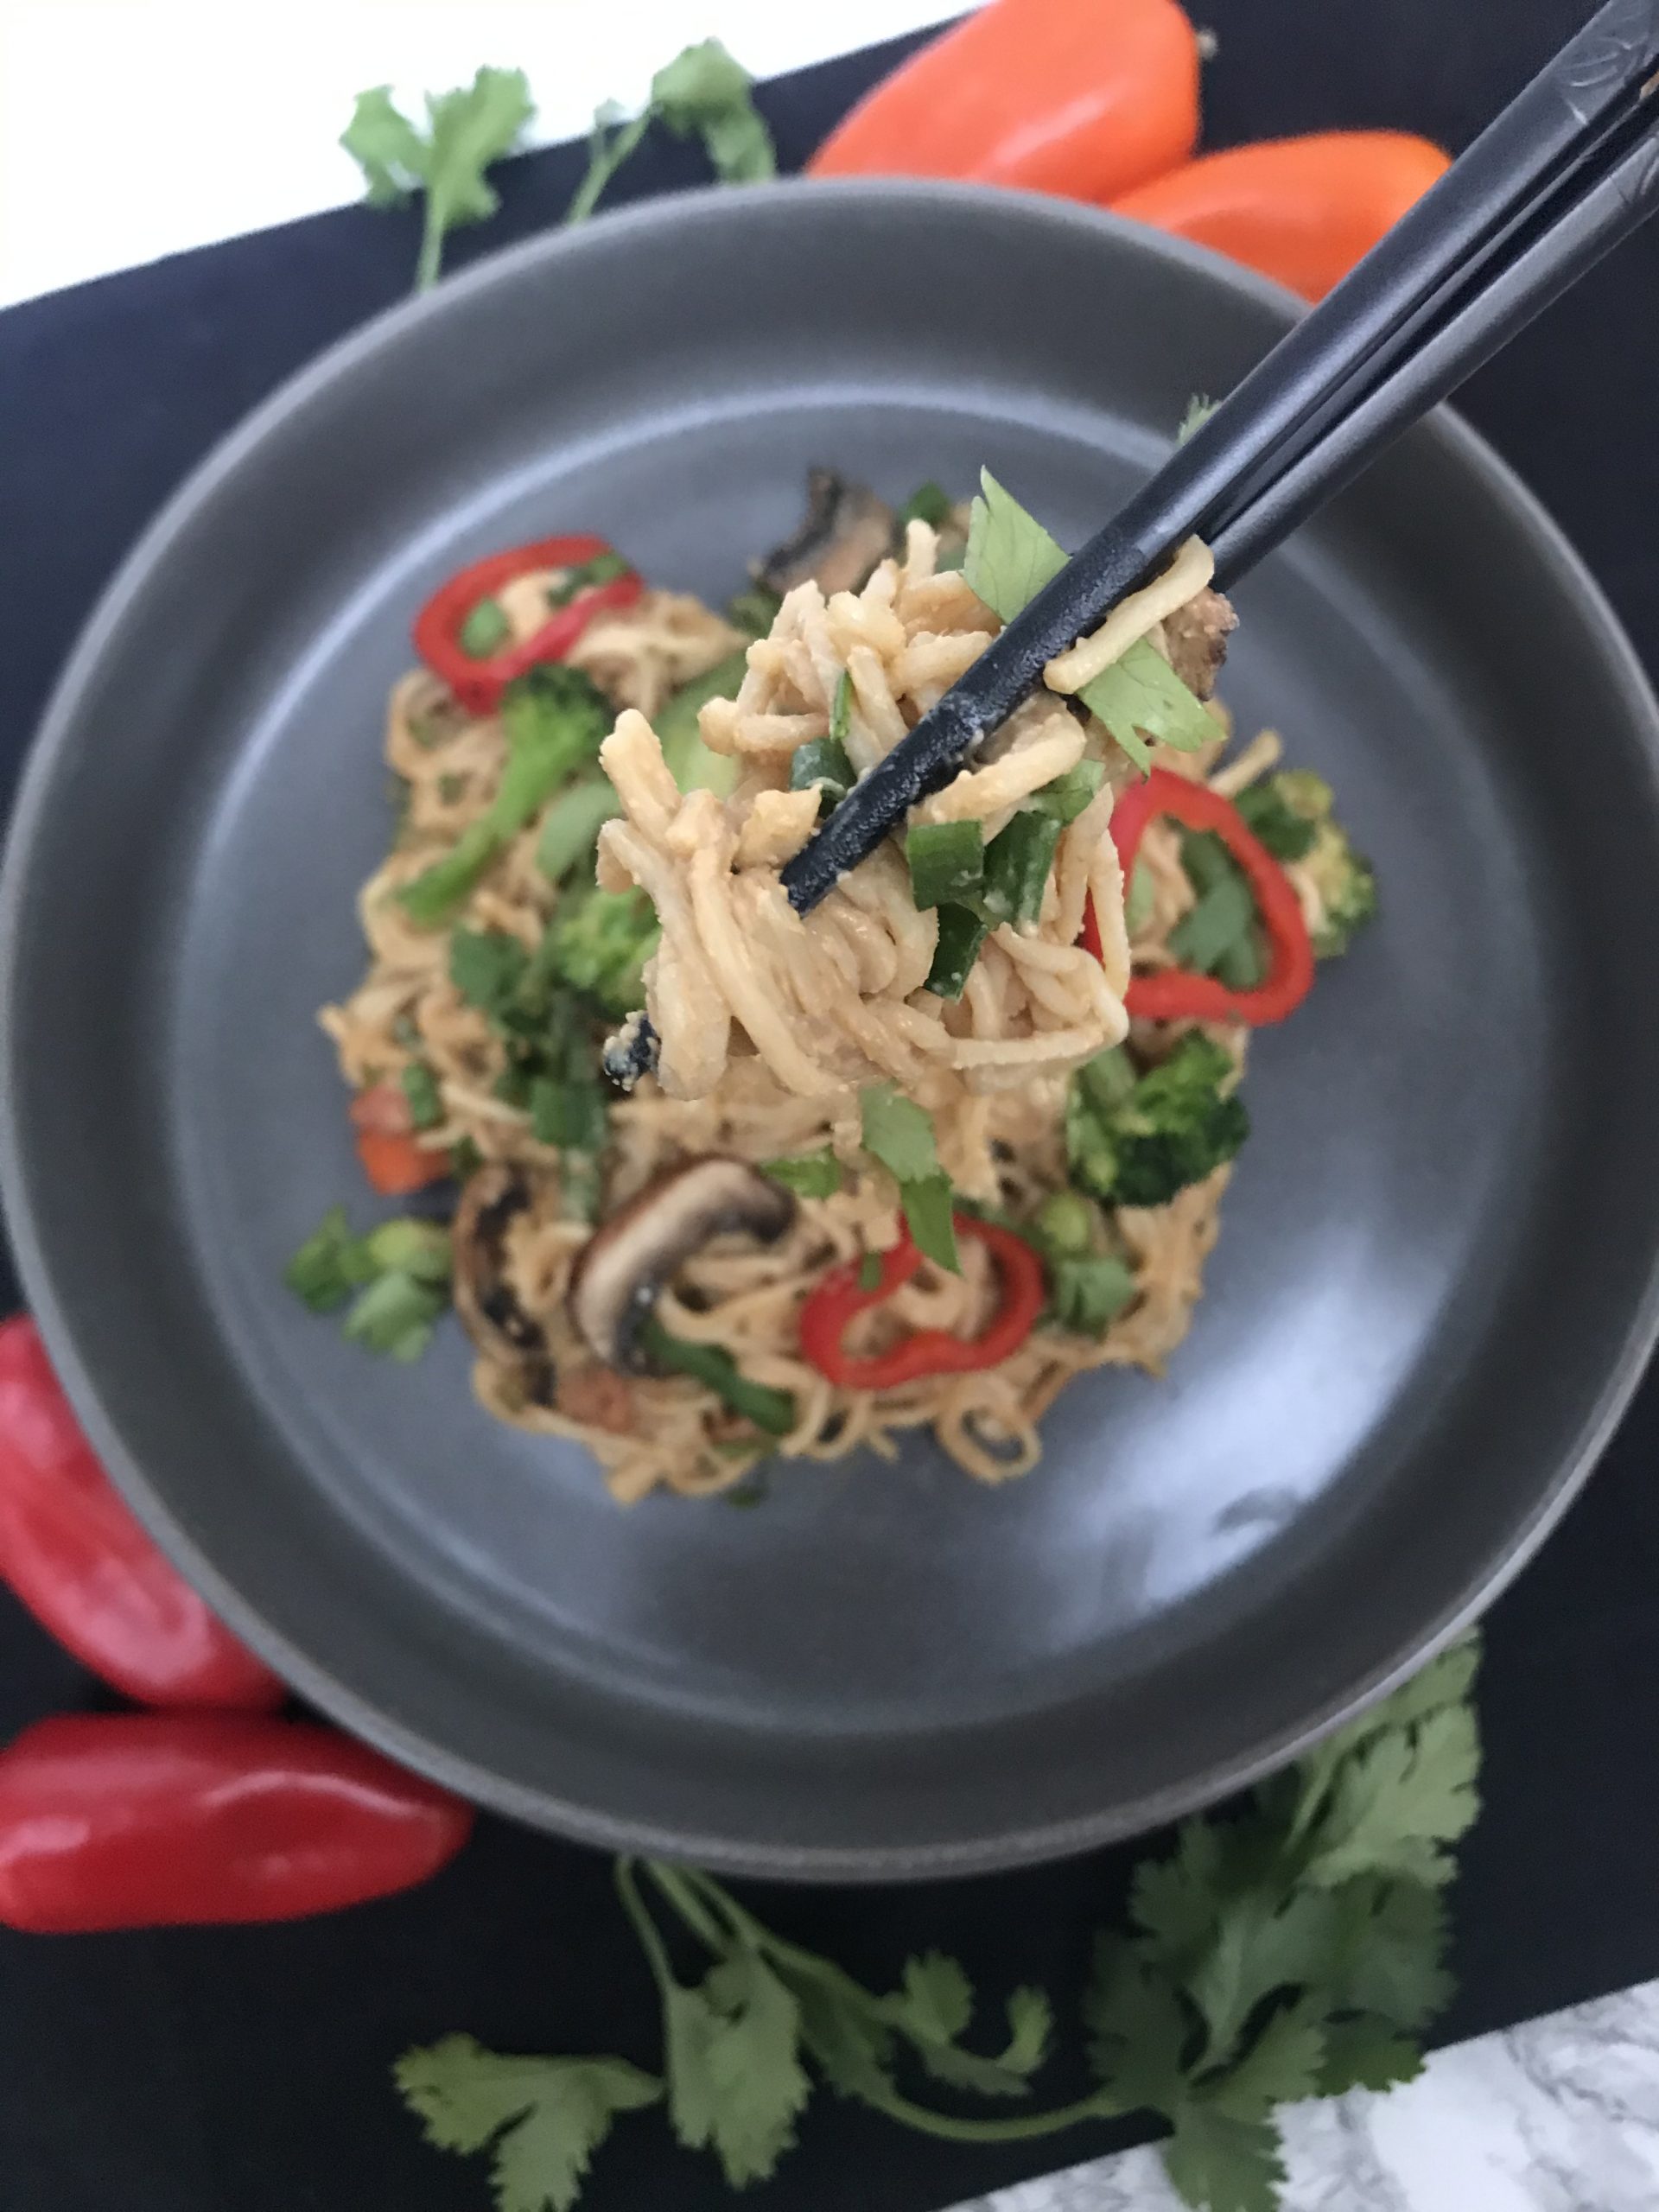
x,y
1291,815
1137,1140
601,946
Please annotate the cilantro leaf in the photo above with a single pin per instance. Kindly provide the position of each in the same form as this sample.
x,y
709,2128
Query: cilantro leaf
x,y
1142,693
1366,2053
704,93
844,2031
466,130
934,2010
900,1135
1137,2028
1262,1943
1281,2066
546,2117
1010,555
1387,1944
736,2082
938,2001
1398,1800
1224,2164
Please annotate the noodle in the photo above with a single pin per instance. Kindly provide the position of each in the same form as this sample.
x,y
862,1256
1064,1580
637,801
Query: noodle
x,y
771,1022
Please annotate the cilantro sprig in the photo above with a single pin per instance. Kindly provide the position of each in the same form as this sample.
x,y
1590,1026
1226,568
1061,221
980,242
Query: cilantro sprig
x,y
466,130
1290,1949
899,1135
703,93
1010,558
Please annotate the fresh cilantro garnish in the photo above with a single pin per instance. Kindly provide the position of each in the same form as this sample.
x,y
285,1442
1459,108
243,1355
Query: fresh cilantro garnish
x,y
1010,557
466,130
899,1133
542,2119
812,1174
703,93
1287,1950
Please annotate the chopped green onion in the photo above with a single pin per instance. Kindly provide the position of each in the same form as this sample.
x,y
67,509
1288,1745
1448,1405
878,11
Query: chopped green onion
x,y
603,568
408,1245
870,1271
690,763
572,825
1107,1080
1068,795
1016,867
812,1174
420,1090
928,503
1139,899
485,629
330,1265
395,1315
715,1368
840,713
962,932
822,761
947,861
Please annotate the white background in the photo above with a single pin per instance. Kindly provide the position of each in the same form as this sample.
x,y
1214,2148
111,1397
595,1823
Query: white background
x,y
133,128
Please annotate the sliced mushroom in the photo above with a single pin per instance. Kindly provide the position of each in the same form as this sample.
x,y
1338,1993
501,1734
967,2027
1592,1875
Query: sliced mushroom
x,y
845,532
626,1262
1197,635
490,1310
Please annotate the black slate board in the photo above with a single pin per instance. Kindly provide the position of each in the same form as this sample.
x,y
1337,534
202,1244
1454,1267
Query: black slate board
x,y
246,2071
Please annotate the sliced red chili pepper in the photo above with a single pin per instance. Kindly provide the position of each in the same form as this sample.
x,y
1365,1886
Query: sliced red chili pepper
x,y
838,1300
72,1551
479,683
164,1820
1174,994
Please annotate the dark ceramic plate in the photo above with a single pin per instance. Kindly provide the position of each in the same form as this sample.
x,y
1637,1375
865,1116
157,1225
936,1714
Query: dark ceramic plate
x,y
1435,1283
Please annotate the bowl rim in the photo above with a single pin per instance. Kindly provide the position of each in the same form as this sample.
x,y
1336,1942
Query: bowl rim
x,y
1521,512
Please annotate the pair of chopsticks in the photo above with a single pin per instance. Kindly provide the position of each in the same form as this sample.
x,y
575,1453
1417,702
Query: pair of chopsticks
x,y
1565,172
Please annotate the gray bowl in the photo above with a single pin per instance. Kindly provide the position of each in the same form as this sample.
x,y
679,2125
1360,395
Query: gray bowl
x,y
1435,1284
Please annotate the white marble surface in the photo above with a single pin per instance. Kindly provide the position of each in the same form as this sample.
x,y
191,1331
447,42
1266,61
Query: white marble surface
x,y
1558,2115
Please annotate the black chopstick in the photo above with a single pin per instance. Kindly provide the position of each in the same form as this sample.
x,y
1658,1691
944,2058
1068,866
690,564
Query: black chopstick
x,y
1294,404
1468,333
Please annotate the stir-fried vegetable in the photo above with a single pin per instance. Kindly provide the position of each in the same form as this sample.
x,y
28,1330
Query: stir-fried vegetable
x,y
396,1279
600,945
1136,1140
1291,813
899,1135
843,1294
463,633
555,720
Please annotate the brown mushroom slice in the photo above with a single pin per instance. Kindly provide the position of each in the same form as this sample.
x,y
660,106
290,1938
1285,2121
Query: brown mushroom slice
x,y
629,1258
490,1200
845,532
1197,635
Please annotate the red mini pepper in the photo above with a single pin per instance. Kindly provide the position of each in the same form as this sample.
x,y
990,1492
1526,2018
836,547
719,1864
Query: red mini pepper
x,y
1175,994
838,1299
478,682
70,1549
162,1819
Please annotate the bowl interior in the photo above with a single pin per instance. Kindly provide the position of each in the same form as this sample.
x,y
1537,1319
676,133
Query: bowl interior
x,y
1429,1289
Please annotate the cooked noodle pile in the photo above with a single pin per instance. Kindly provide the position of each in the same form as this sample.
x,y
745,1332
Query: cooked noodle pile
x,y
772,1023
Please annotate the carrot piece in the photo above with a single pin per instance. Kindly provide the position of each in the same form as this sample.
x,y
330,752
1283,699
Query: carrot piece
x,y
396,1165
1301,210
1084,100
